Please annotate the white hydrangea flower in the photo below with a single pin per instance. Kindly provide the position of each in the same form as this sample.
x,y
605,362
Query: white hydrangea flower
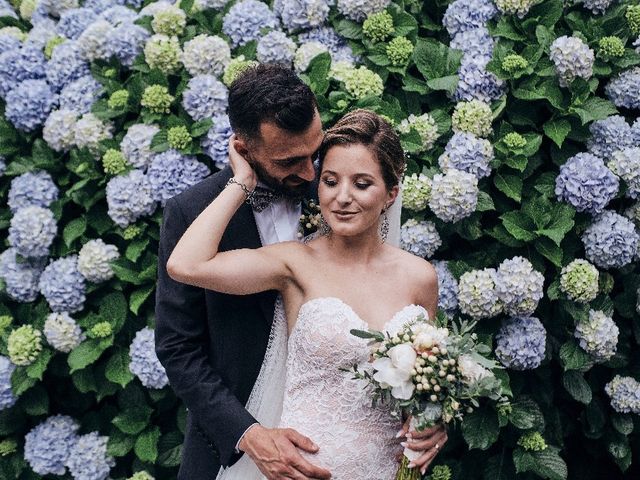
x,y
477,294
519,286
89,131
59,130
94,260
416,190
426,127
454,195
307,52
62,332
598,335
93,41
579,281
206,55
136,144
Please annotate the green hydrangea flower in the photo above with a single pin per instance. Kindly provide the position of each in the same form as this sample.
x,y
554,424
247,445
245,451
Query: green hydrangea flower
x,y
8,447
633,18
24,345
579,281
505,409
611,46
416,192
606,283
399,51
170,21
13,32
157,99
339,70
163,52
113,162
513,63
514,141
141,476
5,321
426,127
234,68
532,442
51,44
110,72
474,117
361,82
118,100
179,137
440,472
27,7
378,26
100,330
131,232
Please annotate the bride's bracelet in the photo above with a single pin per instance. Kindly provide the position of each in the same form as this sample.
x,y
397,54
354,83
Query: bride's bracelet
x,y
245,189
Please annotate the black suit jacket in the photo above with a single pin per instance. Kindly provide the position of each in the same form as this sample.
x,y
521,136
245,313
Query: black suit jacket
x,y
211,344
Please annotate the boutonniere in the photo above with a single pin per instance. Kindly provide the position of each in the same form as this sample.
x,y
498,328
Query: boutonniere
x,y
310,218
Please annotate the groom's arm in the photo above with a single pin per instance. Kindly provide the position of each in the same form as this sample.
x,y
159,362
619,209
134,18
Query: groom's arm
x,y
182,340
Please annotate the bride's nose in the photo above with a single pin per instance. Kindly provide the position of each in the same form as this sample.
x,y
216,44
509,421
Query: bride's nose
x,y
344,196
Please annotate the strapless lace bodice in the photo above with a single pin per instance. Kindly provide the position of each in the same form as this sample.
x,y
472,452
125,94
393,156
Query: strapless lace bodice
x,y
357,441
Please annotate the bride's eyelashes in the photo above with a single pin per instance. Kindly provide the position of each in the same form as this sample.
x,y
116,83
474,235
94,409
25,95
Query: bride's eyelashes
x,y
329,182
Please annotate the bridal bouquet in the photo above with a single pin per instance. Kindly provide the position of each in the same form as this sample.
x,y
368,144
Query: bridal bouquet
x,y
431,373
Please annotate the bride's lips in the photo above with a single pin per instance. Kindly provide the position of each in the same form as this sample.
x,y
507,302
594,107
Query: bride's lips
x,y
343,214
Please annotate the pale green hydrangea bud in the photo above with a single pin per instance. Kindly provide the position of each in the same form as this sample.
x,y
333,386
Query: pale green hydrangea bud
x,y
378,26
611,46
361,82
118,99
100,330
633,18
24,345
416,191
163,52
113,162
579,281
13,32
234,68
426,127
514,141
170,20
141,476
157,99
131,232
532,442
440,472
7,447
513,63
606,283
110,72
339,70
515,7
5,321
474,117
399,51
179,137
51,44
27,7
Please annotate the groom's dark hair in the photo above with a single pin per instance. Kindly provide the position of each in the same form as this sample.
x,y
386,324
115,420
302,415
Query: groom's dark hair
x,y
269,93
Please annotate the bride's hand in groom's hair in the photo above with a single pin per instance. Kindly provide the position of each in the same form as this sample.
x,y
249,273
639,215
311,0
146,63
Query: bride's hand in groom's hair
x,y
430,441
275,453
242,170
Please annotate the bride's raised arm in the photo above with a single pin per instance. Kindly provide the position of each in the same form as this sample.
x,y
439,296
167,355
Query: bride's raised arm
x,y
195,260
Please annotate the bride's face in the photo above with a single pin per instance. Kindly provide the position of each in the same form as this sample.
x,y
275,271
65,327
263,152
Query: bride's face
x,y
352,191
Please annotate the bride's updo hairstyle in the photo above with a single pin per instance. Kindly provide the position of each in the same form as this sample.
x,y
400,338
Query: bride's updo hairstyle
x,y
367,128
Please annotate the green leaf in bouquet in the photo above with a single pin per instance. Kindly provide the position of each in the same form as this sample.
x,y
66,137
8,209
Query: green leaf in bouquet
x,y
623,423
117,368
368,334
480,428
510,185
631,58
557,130
594,108
577,386
146,446
547,463
119,443
503,236
526,415
160,142
572,357
436,60
134,419
88,352
74,229
596,419
11,421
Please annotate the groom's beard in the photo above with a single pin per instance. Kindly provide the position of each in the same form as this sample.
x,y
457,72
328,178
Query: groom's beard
x,y
291,186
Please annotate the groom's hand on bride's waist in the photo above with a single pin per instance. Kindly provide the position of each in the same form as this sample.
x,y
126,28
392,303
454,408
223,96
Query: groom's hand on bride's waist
x,y
275,452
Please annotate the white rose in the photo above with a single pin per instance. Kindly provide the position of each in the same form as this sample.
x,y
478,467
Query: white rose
x,y
395,371
428,336
471,370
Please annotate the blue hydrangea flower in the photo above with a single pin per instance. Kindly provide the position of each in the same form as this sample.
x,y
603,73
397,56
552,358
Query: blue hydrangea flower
x,y
7,398
92,42
635,133
144,361
358,10
126,42
468,153
624,89
32,188
205,97
66,65
301,14
476,42
63,285
338,47
611,241
118,14
626,164
598,335
597,6
6,10
624,393
88,458
80,95
519,286
475,82
521,343
94,260
462,15
171,173
420,238
26,63
99,6
208,54
73,22
586,183
20,277
29,104
608,135
129,198
136,144
32,231
572,58
48,445
59,130
447,287
216,143
9,42
245,20
199,5
276,47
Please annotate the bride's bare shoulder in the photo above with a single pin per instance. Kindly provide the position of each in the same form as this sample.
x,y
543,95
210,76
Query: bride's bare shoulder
x,y
419,270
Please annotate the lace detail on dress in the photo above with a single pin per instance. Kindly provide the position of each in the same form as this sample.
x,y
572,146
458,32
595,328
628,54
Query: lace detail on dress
x,y
356,440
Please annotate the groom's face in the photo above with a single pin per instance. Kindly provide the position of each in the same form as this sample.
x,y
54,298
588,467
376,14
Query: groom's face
x,y
283,159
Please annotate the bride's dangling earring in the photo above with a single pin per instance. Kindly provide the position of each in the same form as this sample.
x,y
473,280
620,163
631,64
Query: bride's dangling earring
x,y
324,227
384,226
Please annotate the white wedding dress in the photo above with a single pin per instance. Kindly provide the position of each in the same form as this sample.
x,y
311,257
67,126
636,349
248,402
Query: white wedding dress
x,y
356,441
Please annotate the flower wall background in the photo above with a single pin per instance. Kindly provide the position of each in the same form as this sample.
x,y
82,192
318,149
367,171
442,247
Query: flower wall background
x,y
519,119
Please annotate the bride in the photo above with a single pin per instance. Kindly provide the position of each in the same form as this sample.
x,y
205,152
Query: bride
x,y
347,278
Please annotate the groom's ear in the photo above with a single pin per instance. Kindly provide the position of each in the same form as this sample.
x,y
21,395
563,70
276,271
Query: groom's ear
x,y
241,146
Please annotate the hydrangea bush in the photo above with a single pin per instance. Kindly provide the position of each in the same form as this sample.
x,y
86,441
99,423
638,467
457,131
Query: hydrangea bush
x,y
519,120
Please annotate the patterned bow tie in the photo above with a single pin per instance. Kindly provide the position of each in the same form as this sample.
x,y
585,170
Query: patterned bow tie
x,y
262,197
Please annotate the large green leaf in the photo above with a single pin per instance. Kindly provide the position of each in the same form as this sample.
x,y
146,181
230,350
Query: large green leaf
x,y
577,386
480,428
146,446
547,464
